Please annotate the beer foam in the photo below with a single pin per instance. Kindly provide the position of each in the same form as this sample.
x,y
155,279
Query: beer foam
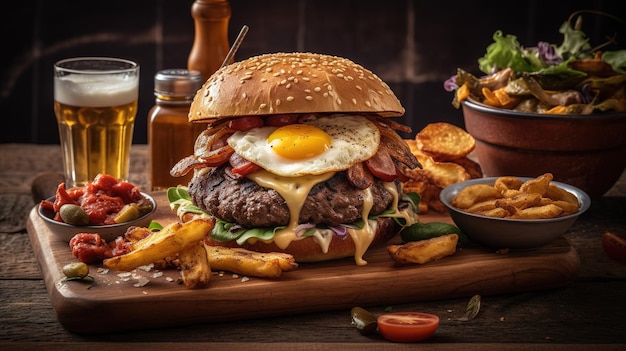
x,y
96,91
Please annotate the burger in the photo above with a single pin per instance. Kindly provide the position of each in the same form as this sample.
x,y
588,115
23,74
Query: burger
x,y
300,156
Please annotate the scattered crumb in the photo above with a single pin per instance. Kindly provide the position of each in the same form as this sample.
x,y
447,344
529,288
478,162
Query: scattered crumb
x,y
146,268
244,279
141,281
235,275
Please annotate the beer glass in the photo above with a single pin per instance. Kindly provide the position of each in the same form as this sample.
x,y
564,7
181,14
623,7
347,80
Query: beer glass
x,y
95,103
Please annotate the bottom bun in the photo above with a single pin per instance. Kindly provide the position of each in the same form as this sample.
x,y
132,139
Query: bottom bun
x,y
307,250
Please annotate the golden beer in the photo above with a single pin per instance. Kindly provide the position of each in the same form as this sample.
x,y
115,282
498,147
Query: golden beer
x,y
95,111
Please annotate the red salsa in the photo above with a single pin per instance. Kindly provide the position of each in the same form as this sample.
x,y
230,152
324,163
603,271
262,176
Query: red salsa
x,y
101,199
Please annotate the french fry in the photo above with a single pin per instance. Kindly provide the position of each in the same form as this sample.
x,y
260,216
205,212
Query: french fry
x,y
194,266
169,241
249,263
424,251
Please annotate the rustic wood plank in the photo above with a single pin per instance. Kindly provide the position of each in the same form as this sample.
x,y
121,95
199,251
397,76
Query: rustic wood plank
x,y
326,286
555,316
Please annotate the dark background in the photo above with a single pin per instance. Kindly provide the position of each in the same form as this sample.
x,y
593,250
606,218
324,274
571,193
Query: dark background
x,y
413,45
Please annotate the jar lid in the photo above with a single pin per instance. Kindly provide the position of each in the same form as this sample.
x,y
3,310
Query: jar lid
x,y
177,82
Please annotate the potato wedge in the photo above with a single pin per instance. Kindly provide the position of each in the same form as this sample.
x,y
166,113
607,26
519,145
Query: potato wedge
x,y
194,266
249,263
539,212
169,241
538,185
424,251
473,194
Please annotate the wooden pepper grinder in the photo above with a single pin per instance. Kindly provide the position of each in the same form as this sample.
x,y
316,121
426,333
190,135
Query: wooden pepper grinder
x,y
210,45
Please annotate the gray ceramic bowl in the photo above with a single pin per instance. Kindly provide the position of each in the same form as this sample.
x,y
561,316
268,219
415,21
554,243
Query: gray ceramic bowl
x,y
506,232
65,232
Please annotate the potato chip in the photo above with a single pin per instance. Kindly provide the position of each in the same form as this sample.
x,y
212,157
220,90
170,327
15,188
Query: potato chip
x,y
445,141
436,174
471,167
446,173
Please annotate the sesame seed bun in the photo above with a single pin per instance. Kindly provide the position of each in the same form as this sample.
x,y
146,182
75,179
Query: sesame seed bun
x,y
283,83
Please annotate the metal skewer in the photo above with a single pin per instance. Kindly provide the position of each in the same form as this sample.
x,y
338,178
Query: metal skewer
x,y
236,44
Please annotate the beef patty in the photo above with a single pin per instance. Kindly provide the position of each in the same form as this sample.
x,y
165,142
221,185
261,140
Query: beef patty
x,y
242,201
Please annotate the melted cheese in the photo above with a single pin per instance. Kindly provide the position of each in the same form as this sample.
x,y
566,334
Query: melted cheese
x,y
295,191
363,237
409,216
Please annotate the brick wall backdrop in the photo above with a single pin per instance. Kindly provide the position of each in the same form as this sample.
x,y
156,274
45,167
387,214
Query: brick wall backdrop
x,y
412,45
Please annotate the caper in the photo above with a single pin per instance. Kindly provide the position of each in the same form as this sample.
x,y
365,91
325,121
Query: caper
x,y
76,270
127,213
73,214
364,321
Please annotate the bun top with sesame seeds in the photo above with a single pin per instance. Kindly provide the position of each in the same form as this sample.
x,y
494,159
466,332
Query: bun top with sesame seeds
x,y
285,83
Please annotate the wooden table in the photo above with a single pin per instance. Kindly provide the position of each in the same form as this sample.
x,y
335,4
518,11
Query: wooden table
x,y
588,313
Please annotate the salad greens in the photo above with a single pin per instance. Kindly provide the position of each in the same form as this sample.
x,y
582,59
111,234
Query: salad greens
x,y
569,78
181,203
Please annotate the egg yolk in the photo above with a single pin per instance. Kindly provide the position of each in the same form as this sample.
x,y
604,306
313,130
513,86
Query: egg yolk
x,y
299,141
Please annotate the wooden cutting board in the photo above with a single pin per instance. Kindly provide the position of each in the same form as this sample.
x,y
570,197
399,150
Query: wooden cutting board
x,y
115,302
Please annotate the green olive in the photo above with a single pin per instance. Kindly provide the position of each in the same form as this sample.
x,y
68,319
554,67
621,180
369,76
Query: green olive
x,y
73,214
127,213
76,270
364,321
144,206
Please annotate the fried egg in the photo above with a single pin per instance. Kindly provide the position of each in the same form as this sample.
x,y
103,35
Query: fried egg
x,y
326,144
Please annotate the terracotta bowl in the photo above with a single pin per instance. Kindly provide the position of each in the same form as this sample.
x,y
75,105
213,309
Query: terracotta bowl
x,y
586,151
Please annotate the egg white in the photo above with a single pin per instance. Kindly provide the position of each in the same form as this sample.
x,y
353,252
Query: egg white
x,y
354,139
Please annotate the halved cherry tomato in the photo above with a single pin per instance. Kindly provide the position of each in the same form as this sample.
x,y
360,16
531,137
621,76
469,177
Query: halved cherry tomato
x,y
407,326
614,244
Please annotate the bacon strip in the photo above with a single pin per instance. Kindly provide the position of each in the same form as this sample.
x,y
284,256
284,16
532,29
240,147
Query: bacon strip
x,y
359,176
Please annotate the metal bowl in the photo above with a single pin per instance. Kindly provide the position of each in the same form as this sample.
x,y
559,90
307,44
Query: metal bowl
x,y
65,232
507,232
